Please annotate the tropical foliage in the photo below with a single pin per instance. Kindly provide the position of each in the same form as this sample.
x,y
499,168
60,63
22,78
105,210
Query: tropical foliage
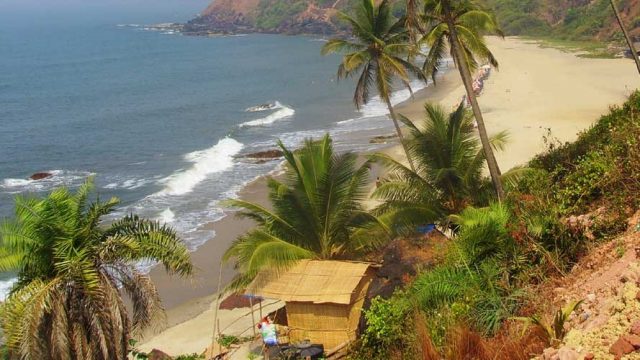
x,y
376,55
71,272
316,212
460,26
448,177
471,21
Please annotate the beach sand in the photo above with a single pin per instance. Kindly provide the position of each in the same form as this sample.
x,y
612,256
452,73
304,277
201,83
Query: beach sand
x,y
534,89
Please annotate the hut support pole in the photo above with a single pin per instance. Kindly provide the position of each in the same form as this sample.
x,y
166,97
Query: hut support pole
x,y
216,322
253,318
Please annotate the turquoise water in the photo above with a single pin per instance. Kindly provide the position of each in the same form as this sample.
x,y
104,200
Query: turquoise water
x,y
159,118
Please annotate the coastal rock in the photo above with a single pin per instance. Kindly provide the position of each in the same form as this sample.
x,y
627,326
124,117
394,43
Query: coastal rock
x,y
267,154
249,16
382,139
635,328
40,175
261,157
589,356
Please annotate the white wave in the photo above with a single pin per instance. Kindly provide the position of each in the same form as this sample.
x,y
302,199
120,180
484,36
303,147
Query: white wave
x,y
167,216
377,107
129,184
215,159
58,178
319,40
5,286
283,112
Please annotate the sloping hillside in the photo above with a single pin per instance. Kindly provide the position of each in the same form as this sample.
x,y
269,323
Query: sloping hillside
x,y
568,19
272,16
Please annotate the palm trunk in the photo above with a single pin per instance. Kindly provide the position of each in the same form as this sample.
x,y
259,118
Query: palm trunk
x,y
634,53
465,74
392,114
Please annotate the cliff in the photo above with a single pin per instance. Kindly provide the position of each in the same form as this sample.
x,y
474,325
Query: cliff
x,y
269,16
566,19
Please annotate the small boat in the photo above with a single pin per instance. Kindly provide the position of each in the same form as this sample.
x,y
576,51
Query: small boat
x,y
261,107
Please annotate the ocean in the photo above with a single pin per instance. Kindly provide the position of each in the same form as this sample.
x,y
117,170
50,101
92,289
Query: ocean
x,y
159,119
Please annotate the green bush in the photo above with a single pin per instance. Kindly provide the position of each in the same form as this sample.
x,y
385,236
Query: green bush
x,y
389,330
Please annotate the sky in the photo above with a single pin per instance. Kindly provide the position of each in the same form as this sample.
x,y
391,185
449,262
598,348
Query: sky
x,y
39,12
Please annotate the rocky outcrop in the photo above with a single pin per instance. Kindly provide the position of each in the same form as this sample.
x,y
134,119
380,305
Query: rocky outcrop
x,y
267,16
263,156
40,176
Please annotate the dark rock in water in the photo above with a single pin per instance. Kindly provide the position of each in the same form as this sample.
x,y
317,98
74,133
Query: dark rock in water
x,y
267,154
382,139
40,176
156,354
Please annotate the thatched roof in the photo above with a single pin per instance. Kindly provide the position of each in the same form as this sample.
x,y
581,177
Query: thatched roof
x,y
315,281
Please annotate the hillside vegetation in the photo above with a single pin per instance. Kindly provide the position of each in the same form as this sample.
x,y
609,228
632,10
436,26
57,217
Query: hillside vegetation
x,y
568,19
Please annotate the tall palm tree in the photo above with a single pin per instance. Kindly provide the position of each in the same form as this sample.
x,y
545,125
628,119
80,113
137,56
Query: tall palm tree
x,y
632,48
315,213
376,53
460,26
72,271
448,178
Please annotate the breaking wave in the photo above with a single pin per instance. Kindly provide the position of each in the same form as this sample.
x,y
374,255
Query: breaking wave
x,y
282,112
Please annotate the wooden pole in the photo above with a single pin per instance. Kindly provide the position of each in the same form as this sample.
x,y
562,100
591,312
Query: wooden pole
x,y
216,321
253,318
632,48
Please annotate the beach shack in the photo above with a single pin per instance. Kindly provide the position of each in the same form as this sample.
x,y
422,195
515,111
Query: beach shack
x,y
323,299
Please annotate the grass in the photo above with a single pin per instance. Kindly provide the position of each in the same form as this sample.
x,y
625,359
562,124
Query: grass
x,y
585,49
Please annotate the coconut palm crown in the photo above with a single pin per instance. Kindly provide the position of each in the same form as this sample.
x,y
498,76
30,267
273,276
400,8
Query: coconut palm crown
x,y
72,271
471,21
315,212
376,54
448,176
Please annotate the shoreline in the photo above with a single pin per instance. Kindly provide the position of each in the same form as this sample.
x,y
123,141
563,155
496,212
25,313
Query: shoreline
x,y
524,103
183,299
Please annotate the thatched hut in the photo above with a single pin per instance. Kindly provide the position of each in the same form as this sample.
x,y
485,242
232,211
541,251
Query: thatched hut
x,y
323,299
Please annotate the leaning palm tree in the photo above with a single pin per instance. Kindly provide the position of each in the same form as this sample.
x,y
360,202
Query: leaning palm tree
x,y
72,274
377,54
632,48
459,26
449,161
315,212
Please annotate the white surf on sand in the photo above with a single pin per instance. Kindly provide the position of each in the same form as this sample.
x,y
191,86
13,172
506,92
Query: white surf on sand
x,y
282,112
205,162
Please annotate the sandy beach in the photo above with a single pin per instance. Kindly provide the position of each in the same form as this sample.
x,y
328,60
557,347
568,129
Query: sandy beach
x,y
534,90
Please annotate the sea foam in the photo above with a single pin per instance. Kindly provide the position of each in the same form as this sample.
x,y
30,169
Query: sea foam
x,y
205,162
282,112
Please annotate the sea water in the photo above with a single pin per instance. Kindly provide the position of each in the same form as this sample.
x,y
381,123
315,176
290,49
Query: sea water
x,y
158,118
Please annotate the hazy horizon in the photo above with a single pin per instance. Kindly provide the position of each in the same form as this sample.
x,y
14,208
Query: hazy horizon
x,y
38,13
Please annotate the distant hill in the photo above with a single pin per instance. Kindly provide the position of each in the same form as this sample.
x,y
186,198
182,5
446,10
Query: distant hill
x,y
567,19
271,16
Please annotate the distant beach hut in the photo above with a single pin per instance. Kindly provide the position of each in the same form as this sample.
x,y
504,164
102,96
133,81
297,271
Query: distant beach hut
x,y
323,299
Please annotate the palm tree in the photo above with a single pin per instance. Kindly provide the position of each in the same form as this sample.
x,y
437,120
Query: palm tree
x,y
632,48
460,26
315,213
449,161
376,53
67,302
